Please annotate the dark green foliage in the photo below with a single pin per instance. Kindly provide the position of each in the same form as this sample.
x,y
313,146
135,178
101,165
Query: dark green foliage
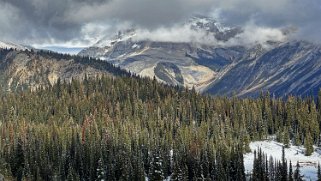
x,y
124,128
156,167
308,144
319,172
264,169
290,172
284,170
259,166
107,128
297,174
17,161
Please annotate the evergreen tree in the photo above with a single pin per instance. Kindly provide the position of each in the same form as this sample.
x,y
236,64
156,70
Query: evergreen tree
x,y
297,175
17,162
284,170
179,172
308,144
156,169
290,172
286,138
271,168
101,171
319,172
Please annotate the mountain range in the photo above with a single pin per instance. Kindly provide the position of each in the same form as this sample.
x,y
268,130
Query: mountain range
x,y
289,67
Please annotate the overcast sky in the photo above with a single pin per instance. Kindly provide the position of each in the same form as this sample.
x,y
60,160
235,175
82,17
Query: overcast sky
x,y
82,22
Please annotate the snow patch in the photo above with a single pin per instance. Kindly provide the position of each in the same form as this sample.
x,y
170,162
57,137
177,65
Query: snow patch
x,y
121,36
308,164
135,46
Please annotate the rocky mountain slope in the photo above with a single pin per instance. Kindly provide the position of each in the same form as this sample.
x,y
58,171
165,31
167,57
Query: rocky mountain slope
x,y
292,68
21,69
184,64
283,68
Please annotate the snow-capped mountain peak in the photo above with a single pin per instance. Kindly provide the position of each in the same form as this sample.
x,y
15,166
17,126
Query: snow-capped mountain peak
x,y
121,36
209,24
212,68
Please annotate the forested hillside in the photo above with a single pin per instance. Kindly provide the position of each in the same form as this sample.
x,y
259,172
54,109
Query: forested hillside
x,y
129,128
31,69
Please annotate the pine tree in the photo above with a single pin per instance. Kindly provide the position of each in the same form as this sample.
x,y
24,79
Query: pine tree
x,y
18,161
297,175
179,172
271,168
101,171
284,166
308,144
278,168
290,172
286,138
156,169
255,174
319,172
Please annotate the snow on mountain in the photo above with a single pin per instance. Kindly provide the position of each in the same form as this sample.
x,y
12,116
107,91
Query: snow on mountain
x,y
308,164
177,63
121,36
281,67
9,45
211,26
206,23
290,68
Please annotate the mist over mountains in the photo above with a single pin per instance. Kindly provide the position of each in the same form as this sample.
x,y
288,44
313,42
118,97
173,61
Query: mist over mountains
x,y
83,22
212,57
217,59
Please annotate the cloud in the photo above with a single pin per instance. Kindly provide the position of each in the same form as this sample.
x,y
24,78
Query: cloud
x,y
146,13
82,22
180,34
250,35
253,34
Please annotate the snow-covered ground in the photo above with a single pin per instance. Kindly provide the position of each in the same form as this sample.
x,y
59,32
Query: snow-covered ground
x,y
308,164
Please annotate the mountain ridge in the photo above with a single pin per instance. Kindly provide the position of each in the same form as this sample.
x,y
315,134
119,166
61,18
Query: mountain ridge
x,y
29,69
9,45
217,69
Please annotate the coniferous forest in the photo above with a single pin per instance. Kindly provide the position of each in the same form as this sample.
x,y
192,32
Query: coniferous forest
x,y
130,128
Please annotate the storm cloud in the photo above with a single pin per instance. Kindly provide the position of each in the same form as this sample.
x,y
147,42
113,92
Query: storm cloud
x,y
82,22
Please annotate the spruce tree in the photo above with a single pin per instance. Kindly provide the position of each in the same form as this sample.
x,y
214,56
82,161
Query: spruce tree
x,y
17,162
290,176
284,166
319,172
179,172
286,138
297,175
156,169
101,171
308,144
